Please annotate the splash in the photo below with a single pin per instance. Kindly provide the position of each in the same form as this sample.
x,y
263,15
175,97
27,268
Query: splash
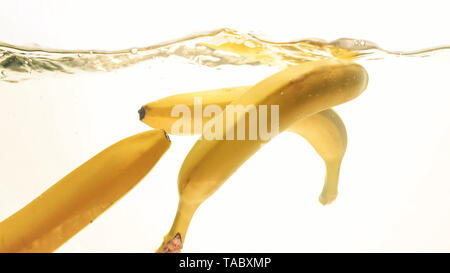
x,y
213,49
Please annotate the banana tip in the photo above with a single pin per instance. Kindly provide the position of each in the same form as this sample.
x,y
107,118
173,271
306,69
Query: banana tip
x,y
326,200
141,113
166,135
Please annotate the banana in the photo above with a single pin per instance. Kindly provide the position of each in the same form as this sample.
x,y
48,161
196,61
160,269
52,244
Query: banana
x,y
299,92
159,114
325,130
76,200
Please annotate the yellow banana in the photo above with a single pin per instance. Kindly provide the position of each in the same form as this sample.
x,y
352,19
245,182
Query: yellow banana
x,y
298,91
158,114
325,130
76,200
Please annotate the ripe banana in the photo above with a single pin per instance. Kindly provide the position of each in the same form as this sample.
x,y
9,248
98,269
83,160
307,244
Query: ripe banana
x,y
76,200
325,130
158,114
299,92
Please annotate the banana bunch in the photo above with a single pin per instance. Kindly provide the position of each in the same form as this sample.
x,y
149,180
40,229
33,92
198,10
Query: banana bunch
x,y
303,96
325,130
76,200
300,100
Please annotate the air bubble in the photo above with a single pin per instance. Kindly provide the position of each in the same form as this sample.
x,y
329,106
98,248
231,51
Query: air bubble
x,y
134,51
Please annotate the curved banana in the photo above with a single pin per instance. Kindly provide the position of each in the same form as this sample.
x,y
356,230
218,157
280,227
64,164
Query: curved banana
x,y
76,200
298,91
325,130
159,114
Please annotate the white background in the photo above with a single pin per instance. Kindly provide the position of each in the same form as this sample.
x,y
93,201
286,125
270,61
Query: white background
x,y
84,24
395,185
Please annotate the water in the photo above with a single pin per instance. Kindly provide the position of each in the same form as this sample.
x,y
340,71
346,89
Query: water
x,y
215,49
60,107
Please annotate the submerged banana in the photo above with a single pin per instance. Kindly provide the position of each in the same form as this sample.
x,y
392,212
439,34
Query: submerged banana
x,y
299,92
76,200
325,130
160,114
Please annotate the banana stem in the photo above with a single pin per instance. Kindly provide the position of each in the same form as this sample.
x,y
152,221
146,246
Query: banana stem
x,y
173,241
